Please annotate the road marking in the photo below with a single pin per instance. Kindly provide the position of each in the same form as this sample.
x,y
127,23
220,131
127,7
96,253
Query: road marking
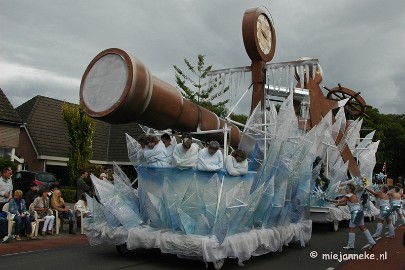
x,y
17,253
330,268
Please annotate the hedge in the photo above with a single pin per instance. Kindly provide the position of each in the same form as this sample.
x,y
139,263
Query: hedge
x,y
68,194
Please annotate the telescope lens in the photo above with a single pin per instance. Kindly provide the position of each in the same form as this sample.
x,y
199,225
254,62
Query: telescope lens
x,y
105,83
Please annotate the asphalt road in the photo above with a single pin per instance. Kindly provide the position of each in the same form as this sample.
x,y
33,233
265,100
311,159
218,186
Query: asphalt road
x,y
74,253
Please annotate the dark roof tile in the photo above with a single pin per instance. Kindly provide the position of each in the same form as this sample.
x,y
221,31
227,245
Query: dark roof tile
x,y
48,130
7,112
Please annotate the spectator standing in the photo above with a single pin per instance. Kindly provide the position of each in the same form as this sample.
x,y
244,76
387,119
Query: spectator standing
x,y
6,186
31,194
210,159
21,216
81,185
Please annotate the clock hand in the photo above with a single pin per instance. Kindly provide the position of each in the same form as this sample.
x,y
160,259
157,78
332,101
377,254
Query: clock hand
x,y
264,34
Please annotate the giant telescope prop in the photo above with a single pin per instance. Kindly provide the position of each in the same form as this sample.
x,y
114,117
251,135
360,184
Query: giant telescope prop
x,y
186,208
117,88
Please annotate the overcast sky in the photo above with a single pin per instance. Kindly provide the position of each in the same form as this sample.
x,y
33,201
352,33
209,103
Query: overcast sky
x,y
46,45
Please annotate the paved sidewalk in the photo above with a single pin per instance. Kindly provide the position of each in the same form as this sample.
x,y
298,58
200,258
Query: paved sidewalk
x,y
42,243
45,242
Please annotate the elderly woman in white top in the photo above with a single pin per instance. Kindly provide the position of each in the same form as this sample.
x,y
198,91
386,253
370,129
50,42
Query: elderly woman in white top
x,y
236,163
210,159
155,153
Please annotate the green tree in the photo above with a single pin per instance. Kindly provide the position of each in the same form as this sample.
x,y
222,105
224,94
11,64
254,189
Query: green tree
x,y
80,130
241,118
390,130
5,162
197,88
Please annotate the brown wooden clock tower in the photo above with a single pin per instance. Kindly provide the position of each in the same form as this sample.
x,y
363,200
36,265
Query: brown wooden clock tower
x,y
259,38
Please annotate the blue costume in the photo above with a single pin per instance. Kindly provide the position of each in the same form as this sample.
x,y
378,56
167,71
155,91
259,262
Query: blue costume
x,y
356,213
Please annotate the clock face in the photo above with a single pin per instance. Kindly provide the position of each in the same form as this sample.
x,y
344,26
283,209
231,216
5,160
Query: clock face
x,y
263,32
259,36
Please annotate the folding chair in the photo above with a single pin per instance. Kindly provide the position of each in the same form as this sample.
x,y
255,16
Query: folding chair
x,y
81,219
36,221
10,218
58,222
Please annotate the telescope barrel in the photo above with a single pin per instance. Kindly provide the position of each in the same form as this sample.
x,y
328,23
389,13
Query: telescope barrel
x,y
117,88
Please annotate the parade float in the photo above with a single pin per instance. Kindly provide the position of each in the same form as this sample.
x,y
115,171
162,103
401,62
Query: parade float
x,y
212,216
361,149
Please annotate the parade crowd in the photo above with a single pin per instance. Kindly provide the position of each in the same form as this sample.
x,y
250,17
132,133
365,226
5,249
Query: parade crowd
x,y
24,210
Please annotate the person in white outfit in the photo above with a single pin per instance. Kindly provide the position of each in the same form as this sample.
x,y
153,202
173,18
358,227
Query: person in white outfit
x,y
82,208
41,205
209,158
185,154
103,176
167,141
236,163
6,186
140,156
155,153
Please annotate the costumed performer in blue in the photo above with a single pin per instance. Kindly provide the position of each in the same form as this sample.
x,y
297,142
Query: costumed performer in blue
x,y
356,216
209,158
185,154
396,202
236,163
385,211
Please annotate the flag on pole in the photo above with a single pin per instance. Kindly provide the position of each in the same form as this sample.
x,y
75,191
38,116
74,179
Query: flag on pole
x,y
384,168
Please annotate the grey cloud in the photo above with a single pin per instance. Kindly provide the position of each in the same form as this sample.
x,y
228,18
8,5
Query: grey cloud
x,y
358,43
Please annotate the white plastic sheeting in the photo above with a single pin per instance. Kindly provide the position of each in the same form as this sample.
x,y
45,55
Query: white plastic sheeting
x,y
241,245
